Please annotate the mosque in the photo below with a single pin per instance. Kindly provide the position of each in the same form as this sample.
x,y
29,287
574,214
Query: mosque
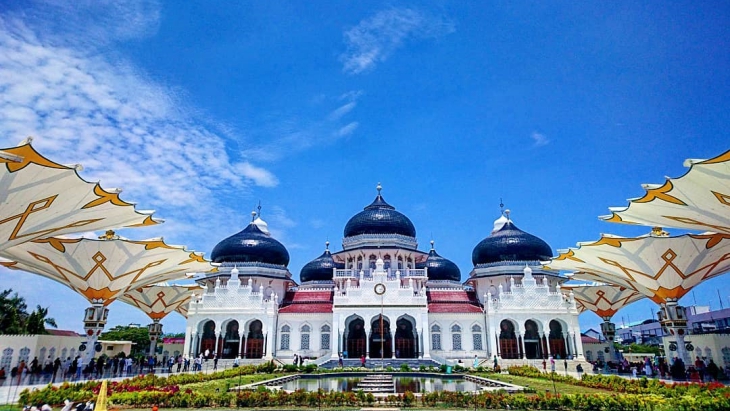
x,y
383,298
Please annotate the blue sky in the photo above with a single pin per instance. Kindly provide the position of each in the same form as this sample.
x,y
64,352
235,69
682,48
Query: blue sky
x,y
201,109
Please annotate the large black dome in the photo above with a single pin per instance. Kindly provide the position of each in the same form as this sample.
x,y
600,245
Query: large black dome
x,y
249,246
440,268
319,269
509,243
379,218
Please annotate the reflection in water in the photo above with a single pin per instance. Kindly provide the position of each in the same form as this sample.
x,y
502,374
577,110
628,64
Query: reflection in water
x,y
402,384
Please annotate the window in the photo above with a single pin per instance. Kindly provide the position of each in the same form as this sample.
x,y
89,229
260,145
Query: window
x,y
435,337
42,355
24,355
589,355
304,342
110,348
285,330
63,353
477,340
6,359
456,337
324,343
435,341
456,341
726,356
284,341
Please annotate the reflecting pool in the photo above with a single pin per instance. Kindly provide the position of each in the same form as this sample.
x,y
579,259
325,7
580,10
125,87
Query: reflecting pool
x,y
402,384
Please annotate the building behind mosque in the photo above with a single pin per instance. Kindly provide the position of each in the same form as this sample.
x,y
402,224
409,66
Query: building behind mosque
x,y
383,298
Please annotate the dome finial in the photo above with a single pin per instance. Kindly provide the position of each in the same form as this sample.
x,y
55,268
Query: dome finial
x,y
501,206
326,245
379,187
506,213
432,245
253,216
259,209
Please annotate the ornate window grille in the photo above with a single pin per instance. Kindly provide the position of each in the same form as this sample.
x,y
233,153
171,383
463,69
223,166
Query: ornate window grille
x,y
324,343
285,330
304,341
456,337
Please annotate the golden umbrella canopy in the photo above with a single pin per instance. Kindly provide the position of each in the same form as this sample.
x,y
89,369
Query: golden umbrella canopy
x,y
104,270
40,198
661,268
182,309
604,300
159,300
698,200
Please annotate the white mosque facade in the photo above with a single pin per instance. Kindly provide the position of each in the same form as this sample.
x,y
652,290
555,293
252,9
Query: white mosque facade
x,y
382,298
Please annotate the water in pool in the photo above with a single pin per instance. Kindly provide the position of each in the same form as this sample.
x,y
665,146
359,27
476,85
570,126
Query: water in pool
x,y
402,384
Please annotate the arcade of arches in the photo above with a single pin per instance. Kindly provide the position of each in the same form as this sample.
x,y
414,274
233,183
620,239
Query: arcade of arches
x,y
231,343
533,343
379,343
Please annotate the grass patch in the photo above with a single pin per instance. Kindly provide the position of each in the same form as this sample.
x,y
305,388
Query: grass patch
x,y
541,385
223,385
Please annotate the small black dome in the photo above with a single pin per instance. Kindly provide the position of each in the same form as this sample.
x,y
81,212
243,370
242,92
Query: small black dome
x,y
319,269
250,246
440,268
379,218
509,243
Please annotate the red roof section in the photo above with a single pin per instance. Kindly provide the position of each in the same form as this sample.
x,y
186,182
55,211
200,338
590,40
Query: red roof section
x,y
589,340
452,301
307,302
453,308
64,333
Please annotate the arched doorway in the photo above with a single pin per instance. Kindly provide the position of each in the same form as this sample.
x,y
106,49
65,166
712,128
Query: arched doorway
x,y
406,343
207,340
355,338
508,346
255,340
533,346
380,341
557,340
231,340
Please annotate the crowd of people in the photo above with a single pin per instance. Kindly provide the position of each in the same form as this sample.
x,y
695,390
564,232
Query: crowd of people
x,y
701,370
75,369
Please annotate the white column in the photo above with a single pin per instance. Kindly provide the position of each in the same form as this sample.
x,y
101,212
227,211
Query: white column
x,y
336,348
424,330
578,342
566,337
240,341
188,339
367,341
547,343
522,343
193,344
392,340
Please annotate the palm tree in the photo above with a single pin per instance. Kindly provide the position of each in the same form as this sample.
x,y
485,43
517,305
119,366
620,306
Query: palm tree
x,y
37,321
13,314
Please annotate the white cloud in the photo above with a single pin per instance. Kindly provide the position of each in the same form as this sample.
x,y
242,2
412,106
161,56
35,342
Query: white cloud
x,y
538,139
348,129
127,130
259,175
374,39
294,134
337,113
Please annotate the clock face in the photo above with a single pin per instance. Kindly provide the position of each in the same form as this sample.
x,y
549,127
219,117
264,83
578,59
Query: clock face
x,y
379,289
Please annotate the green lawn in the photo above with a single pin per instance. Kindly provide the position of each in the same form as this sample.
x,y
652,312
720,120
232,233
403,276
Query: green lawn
x,y
223,384
541,385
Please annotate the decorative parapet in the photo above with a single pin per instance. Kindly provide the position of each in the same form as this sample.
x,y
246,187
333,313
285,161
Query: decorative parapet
x,y
396,293
391,273
379,240
234,295
529,296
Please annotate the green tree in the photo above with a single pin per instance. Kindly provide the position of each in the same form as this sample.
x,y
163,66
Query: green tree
x,y
139,336
15,319
37,321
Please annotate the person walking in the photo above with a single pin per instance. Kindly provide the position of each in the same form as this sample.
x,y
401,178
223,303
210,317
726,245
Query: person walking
x,y
362,361
215,361
552,364
476,361
340,362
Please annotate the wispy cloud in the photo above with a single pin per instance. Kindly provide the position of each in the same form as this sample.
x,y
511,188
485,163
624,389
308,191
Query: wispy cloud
x,y
539,139
348,129
127,130
290,134
375,38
